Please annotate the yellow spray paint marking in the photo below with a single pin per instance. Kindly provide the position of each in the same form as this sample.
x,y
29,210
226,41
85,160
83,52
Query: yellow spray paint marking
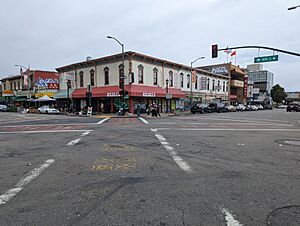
x,y
123,164
117,147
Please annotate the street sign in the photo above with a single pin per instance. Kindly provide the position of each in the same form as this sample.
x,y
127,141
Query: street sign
x,y
169,95
123,77
266,59
126,97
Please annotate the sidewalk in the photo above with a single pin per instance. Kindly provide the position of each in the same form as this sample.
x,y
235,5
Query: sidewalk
x,y
130,115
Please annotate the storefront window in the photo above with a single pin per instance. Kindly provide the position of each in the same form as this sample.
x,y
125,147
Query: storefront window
x,y
92,77
155,72
141,73
106,76
181,80
81,78
171,78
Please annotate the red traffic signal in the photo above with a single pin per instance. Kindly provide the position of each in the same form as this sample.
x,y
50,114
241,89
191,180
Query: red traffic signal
x,y
214,51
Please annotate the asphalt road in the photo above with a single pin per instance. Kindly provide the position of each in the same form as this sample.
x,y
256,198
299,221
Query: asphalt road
x,y
213,169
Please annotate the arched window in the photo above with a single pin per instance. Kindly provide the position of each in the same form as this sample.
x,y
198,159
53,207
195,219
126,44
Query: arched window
x,y
208,80
121,70
226,86
141,74
188,81
92,77
155,73
223,86
213,85
181,80
196,83
106,76
171,78
81,79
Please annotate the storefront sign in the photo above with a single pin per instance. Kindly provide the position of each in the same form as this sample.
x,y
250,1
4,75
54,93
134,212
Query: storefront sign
x,y
245,87
203,83
44,82
70,76
115,94
219,70
53,86
149,95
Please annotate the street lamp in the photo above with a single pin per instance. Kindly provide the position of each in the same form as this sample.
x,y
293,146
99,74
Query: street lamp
x,y
123,74
191,98
293,7
167,96
20,66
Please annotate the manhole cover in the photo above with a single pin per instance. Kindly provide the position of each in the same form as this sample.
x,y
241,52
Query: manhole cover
x,y
287,215
292,142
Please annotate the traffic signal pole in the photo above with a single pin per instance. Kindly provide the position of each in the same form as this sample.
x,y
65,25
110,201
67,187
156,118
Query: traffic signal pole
x,y
261,47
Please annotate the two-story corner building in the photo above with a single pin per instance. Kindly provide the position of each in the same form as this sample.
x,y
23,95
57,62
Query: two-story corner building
x,y
148,80
30,84
237,81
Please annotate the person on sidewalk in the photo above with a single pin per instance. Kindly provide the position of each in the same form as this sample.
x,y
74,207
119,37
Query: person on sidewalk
x,y
157,111
138,109
154,110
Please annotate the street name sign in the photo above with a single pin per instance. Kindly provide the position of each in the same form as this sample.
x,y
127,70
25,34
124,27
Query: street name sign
x,y
266,59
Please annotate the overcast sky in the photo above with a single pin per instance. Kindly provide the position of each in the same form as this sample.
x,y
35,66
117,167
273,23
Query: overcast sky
x,y
47,34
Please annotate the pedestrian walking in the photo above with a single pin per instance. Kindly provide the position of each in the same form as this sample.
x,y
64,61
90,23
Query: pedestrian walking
x,y
138,109
154,110
157,110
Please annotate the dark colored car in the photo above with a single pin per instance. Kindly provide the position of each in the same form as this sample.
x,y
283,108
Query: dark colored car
x,y
197,109
217,107
293,107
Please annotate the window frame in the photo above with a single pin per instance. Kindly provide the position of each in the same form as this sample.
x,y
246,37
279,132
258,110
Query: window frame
x,y
106,75
155,76
140,74
81,79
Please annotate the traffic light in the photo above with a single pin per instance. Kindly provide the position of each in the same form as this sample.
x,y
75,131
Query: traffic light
x,y
121,83
69,84
214,51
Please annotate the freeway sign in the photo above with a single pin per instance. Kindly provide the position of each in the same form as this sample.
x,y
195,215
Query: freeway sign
x,y
265,59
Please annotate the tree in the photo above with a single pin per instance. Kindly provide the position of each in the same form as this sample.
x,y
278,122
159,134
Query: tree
x,y
278,94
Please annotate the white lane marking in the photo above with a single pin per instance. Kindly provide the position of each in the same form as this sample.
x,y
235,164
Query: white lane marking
x,y
229,129
46,131
102,121
257,119
7,195
55,124
73,142
178,160
153,130
230,218
222,123
85,133
144,120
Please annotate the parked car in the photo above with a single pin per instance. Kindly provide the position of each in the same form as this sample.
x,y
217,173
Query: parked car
x,y
240,107
197,109
217,107
260,107
293,107
231,108
254,107
206,109
3,107
268,107
47,110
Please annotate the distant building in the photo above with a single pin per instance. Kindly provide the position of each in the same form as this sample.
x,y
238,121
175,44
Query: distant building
x,y
293,97
17,89
263,81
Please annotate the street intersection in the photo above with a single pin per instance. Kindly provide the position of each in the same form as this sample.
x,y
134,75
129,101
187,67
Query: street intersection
x,y
212,169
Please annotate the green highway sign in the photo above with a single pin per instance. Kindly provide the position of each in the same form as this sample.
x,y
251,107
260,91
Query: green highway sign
x,y
266,59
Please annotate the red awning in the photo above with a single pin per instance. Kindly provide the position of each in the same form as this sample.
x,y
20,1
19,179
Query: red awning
x,y
133,90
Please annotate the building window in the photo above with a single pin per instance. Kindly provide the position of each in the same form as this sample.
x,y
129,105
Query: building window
x,y
4,86
15,86
188,81
18,85
121,70
106,76
208,80
81,78
141,74
181,80
223,86
196,83
213,85
171,78
155,72
226,86
92,77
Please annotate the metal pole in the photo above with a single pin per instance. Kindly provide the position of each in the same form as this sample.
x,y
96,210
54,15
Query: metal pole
x,y
191,84
167,91
123,78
